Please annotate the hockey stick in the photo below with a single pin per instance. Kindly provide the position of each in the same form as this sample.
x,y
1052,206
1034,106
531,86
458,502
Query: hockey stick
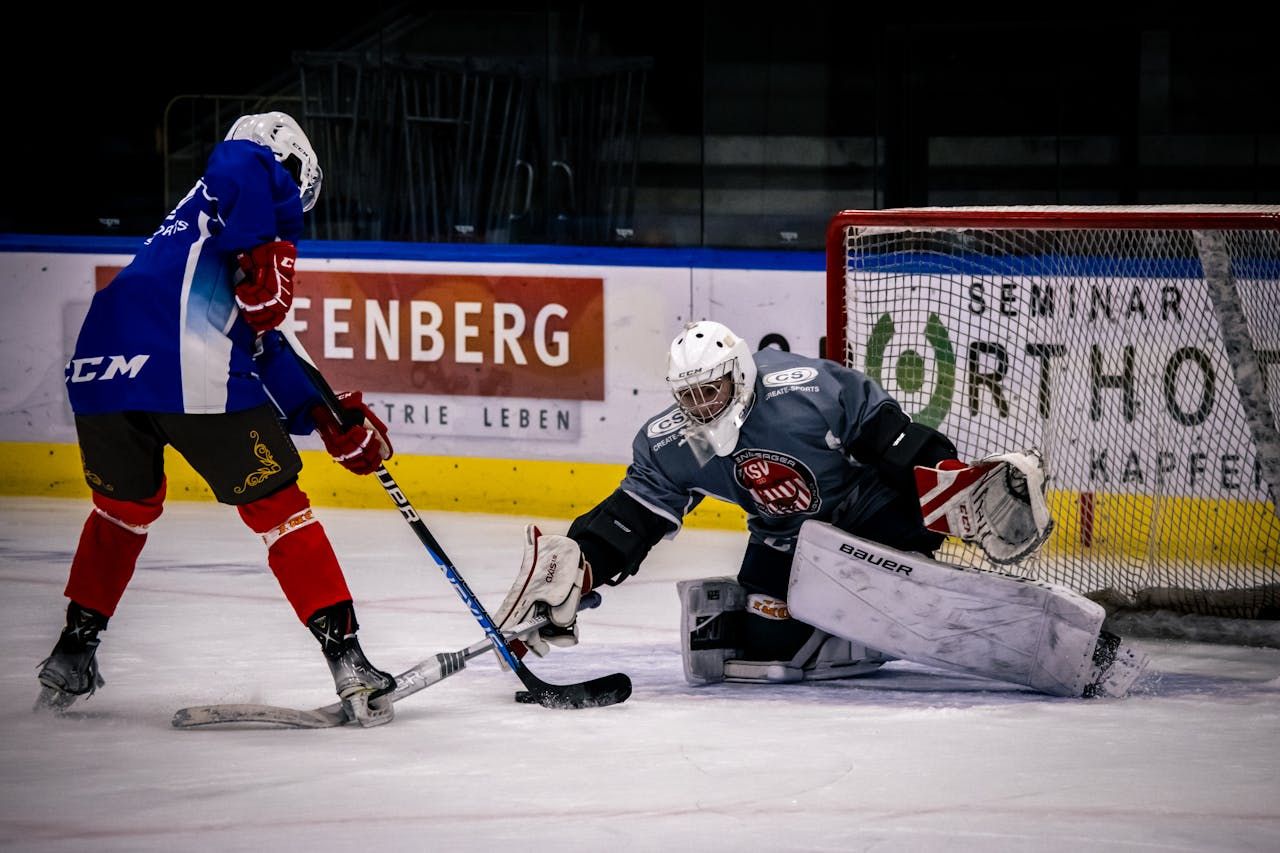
x,y
596,692
420,676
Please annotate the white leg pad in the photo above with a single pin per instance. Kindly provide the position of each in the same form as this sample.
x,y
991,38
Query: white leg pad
x,y
911,607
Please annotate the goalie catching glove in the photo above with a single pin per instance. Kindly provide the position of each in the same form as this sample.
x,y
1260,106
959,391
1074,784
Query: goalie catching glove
x,y
553,577
997,502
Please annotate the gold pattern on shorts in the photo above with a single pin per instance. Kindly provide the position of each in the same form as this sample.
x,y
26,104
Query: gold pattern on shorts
x,y
92,478
269,464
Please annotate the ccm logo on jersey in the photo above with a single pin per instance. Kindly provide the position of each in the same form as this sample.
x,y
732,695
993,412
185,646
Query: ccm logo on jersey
x,y
875,559
85,369
794,376
666,423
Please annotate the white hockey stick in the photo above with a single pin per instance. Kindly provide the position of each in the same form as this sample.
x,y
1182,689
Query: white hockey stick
x,y
421,675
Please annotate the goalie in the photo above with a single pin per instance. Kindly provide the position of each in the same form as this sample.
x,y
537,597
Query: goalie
x,y
847,500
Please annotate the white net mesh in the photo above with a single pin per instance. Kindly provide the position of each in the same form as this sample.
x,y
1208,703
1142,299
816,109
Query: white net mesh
x,y
1106,347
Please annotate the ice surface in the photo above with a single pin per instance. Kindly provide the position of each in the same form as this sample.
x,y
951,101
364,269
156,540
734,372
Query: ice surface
x,y
908,759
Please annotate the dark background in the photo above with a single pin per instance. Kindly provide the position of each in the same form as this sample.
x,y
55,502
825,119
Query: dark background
x,y
86,104
755,126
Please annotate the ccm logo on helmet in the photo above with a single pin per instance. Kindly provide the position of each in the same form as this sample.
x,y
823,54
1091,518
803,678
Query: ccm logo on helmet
x,y
875,559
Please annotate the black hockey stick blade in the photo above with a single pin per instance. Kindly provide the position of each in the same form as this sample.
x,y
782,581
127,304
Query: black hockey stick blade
x,y
596,693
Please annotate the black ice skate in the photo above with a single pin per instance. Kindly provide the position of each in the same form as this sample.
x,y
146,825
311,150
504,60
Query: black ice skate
x,y
362,687
1116,666
71,670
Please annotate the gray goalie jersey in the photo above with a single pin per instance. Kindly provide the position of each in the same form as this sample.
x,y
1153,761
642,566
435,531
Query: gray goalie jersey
x,y
791,462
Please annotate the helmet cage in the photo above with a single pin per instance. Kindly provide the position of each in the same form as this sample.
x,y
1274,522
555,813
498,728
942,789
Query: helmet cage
x,y
706,396
712,375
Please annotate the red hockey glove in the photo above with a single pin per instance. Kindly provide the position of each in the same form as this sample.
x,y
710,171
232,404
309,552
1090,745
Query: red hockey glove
x,y
265,294
360,448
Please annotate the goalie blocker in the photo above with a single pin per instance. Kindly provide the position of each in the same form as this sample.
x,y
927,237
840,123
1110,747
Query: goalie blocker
x,y
984,623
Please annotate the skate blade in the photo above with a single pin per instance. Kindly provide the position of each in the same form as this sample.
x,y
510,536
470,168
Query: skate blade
x,y
369,714
53,701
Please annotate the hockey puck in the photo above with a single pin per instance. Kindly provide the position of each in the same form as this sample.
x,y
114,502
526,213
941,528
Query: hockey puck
x,y
525,697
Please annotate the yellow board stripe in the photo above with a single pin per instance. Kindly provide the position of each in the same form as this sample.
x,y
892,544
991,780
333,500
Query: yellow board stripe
x,y
1156,530
1136,527
523,487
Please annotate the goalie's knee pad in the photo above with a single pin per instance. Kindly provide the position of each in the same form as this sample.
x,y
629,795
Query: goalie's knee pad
x,y
718,633
711,612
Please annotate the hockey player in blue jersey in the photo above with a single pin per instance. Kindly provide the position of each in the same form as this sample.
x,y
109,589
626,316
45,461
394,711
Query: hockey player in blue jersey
x,y
179,349
847,500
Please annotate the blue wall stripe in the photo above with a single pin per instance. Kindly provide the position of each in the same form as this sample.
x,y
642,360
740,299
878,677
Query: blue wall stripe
x,y
469,252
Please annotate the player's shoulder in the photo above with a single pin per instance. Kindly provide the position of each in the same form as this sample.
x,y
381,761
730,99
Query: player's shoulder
x,y
660,448
235,158
661,430
241,150
782,373
771,359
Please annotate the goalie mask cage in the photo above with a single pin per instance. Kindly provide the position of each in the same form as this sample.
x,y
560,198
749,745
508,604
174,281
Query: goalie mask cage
x,y
1129,344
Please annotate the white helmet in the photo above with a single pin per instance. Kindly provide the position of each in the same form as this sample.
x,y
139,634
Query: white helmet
x,y
279,132
713,377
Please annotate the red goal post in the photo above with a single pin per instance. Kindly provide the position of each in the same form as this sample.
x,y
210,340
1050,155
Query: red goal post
x,y
1131,345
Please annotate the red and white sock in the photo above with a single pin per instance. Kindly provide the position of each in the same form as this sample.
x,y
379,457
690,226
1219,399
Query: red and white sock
x,y
110,542
298,550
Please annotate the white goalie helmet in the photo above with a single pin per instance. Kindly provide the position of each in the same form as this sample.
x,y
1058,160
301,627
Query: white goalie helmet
x,y
713,376
279,132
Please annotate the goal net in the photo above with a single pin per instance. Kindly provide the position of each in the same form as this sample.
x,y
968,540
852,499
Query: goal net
x,y
1131,345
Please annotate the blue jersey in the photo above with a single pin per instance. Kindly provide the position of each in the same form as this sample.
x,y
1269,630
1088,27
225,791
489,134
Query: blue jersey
x,y
165,335
792,461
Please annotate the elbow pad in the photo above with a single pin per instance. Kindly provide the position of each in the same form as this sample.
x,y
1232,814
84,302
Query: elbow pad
x,y
893,444
616,536
917,444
